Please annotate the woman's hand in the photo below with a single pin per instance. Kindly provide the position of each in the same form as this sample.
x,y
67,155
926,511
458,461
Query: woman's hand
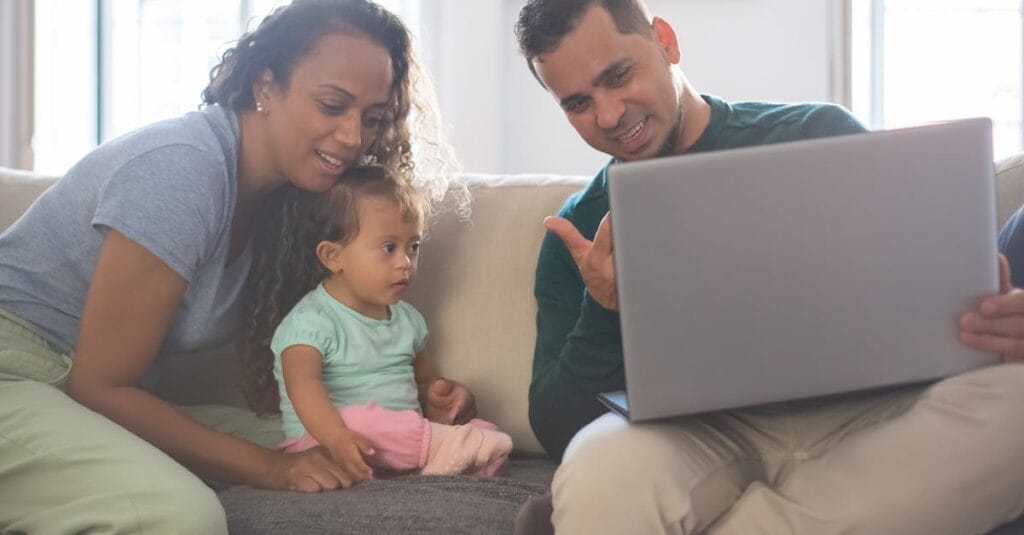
x,y
312,470
347,448
449,402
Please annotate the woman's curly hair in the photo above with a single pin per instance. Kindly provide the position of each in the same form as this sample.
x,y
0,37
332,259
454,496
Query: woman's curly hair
x,y
298,220
410,143
292,31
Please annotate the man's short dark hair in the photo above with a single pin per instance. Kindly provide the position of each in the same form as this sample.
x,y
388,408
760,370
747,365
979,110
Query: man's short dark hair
x,y
543,23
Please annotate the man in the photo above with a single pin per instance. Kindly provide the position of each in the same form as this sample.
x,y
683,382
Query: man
x,y
907,460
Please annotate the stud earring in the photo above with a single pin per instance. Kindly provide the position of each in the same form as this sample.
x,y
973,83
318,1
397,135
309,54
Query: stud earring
x,y
260,108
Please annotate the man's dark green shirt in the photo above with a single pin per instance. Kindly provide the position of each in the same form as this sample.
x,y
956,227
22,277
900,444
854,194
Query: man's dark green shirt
x,y
579,349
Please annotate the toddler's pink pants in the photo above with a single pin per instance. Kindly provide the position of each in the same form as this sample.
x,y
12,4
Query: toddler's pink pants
x,y
401,439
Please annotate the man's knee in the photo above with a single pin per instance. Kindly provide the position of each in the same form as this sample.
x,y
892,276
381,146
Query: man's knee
x,y
629,467
605,483
649,478
604,459
991,397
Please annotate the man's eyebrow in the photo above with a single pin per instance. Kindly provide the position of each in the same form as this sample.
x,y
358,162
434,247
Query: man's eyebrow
x,y
602,78
610,72
564,103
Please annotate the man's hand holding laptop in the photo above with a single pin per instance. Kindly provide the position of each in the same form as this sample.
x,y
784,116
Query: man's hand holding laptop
x,y
997,326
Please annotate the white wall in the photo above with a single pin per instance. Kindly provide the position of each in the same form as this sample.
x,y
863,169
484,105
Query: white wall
x,y
502,121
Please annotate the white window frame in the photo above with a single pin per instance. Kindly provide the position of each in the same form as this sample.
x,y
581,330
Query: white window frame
x,y
842,91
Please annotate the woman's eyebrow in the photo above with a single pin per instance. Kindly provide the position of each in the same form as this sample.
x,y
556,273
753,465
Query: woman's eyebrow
x,y
333,87
346,93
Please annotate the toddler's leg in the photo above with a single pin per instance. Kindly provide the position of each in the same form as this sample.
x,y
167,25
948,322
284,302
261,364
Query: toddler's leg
x,y
483,424
460,448
498,459
400,439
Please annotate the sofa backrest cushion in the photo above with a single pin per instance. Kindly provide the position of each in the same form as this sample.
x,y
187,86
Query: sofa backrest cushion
x,y
475,288
20,189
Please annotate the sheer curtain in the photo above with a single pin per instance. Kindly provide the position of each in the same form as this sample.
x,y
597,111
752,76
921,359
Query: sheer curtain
x,y
16,74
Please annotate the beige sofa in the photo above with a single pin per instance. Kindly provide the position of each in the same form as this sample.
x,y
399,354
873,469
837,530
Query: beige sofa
x,y
475,289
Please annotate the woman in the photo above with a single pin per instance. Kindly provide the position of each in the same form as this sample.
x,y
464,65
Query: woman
x,y
144,247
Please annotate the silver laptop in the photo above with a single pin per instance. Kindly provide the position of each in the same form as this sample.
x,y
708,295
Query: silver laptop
x,y
801,269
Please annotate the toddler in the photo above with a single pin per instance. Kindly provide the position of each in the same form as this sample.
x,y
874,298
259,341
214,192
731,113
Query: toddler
x,y
349,358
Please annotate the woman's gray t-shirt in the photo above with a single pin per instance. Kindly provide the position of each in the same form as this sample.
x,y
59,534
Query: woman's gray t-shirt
x,y
169,187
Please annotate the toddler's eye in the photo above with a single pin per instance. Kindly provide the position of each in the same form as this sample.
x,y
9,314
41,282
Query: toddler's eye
x,y
414,248
389,248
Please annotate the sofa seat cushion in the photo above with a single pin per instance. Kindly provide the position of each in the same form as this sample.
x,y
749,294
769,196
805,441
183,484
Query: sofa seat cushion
x,y
409,504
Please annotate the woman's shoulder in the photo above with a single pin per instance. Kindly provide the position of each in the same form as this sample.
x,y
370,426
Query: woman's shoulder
x,y
189,161
202,142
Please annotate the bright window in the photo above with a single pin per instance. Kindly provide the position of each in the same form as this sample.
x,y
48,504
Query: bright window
x,y
916,61
106,68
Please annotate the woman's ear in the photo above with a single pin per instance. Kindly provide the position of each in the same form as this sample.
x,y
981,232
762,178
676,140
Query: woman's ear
x,y
262,87
329,254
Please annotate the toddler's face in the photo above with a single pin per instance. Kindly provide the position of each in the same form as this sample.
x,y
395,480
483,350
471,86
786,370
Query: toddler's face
x,y
380,262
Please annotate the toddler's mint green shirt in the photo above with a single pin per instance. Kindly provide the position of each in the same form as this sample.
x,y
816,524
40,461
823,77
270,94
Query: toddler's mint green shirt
x,y
364,360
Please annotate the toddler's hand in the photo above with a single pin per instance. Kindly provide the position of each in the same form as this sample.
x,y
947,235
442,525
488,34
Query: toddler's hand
x,y
347,450
449,402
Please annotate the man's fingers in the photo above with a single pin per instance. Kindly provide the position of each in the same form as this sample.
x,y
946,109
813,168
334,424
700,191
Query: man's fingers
x,y
1010,326
1005,282
1007,304
603,237
1012,349
570,236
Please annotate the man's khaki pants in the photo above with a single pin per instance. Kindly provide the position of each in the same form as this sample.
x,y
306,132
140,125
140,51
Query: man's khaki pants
x,y
66,469
942,459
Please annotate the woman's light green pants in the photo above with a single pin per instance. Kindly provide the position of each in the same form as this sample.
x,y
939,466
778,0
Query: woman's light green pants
x,y
66,469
